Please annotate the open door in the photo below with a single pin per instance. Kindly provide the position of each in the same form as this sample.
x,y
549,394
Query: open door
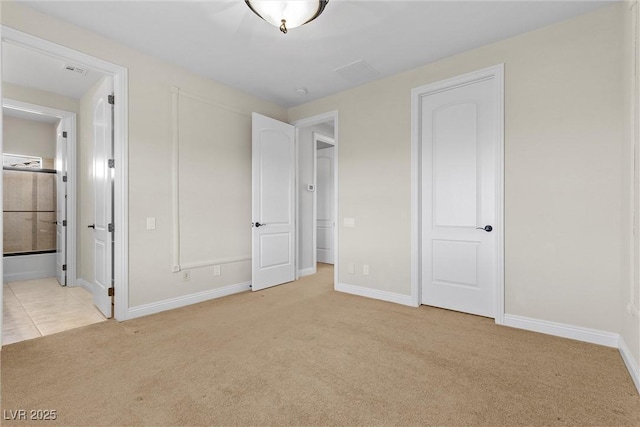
x,y
102,181
273,202
61,204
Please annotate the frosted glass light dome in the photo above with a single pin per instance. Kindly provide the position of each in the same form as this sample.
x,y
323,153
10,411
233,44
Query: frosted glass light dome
x,y
287,14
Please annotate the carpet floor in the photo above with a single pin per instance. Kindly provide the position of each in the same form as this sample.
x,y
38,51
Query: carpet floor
x,y
303,354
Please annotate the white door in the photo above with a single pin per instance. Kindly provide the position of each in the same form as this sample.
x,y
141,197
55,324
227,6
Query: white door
x,y
324,190
273,203
102,182
61,204
459,141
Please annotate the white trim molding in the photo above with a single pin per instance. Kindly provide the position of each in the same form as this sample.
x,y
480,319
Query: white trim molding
x,y
495,72
180,264
169,304
121,134
593,336
632,365
375,294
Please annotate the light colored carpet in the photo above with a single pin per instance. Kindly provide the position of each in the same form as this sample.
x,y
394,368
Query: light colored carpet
x,y
303,354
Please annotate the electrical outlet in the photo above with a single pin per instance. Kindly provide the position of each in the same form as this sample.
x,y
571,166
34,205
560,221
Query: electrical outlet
x,y
352,268
186,275
216,270
365,269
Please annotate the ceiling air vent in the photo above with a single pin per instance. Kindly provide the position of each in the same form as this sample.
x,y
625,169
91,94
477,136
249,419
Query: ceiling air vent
x,y
357,72
77,70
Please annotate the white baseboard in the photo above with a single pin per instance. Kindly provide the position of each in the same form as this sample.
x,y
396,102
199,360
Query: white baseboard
x,y
307,272
169,304
593,336
85,284
375,294
630,362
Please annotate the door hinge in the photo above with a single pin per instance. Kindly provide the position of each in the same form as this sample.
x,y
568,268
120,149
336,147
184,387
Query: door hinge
x,y
64,178
110,292
112,163
110,228
64,134
112,99
64,267
64,222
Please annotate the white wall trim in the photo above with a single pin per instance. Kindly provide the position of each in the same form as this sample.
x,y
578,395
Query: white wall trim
x,y
121,132
307,271
211,263
314,120
630,362
375,294
170,304
578,333
178,263
496,72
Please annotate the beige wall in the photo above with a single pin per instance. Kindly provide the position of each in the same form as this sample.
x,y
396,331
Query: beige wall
x,y
29,137
150,152
39,97
564,135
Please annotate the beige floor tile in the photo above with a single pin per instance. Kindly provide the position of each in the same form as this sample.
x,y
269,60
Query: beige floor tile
x,y
41,307
71,322
10,336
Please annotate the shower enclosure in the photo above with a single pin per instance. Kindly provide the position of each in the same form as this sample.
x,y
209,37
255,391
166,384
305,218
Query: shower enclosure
x,y
29,215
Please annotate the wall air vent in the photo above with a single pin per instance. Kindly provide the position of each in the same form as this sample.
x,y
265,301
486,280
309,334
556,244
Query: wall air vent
x,y
77,70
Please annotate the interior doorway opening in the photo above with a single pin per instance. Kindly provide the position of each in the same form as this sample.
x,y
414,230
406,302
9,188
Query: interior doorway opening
x,y
71,94
317,193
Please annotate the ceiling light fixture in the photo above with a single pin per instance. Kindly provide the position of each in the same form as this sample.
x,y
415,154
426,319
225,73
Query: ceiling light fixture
x,y
287,14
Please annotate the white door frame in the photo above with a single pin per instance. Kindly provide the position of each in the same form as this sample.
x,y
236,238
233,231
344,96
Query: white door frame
x,y
495,72
121,131
318,137
310,121
69,125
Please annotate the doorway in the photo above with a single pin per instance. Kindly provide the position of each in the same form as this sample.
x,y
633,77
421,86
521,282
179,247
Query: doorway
x,y
79,63
317,192
457,195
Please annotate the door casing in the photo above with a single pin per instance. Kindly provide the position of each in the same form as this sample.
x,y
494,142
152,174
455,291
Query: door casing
x,y
121,132
495,72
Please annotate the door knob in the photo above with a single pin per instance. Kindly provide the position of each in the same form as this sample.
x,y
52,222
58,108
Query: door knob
x,y
486,228
257,224
92,226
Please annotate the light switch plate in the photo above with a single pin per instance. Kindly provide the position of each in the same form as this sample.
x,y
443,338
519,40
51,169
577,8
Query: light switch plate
x,y
349,222
151,223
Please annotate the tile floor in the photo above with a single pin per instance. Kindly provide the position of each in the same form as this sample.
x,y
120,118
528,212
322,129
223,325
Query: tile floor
x,y
41,307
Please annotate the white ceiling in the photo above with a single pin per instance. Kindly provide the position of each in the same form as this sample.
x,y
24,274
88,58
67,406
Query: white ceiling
x,y
25,67
224,40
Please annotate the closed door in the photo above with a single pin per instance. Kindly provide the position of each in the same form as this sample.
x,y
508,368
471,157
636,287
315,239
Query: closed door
x,y
273,202
61,205
459,139
102,182
324,190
